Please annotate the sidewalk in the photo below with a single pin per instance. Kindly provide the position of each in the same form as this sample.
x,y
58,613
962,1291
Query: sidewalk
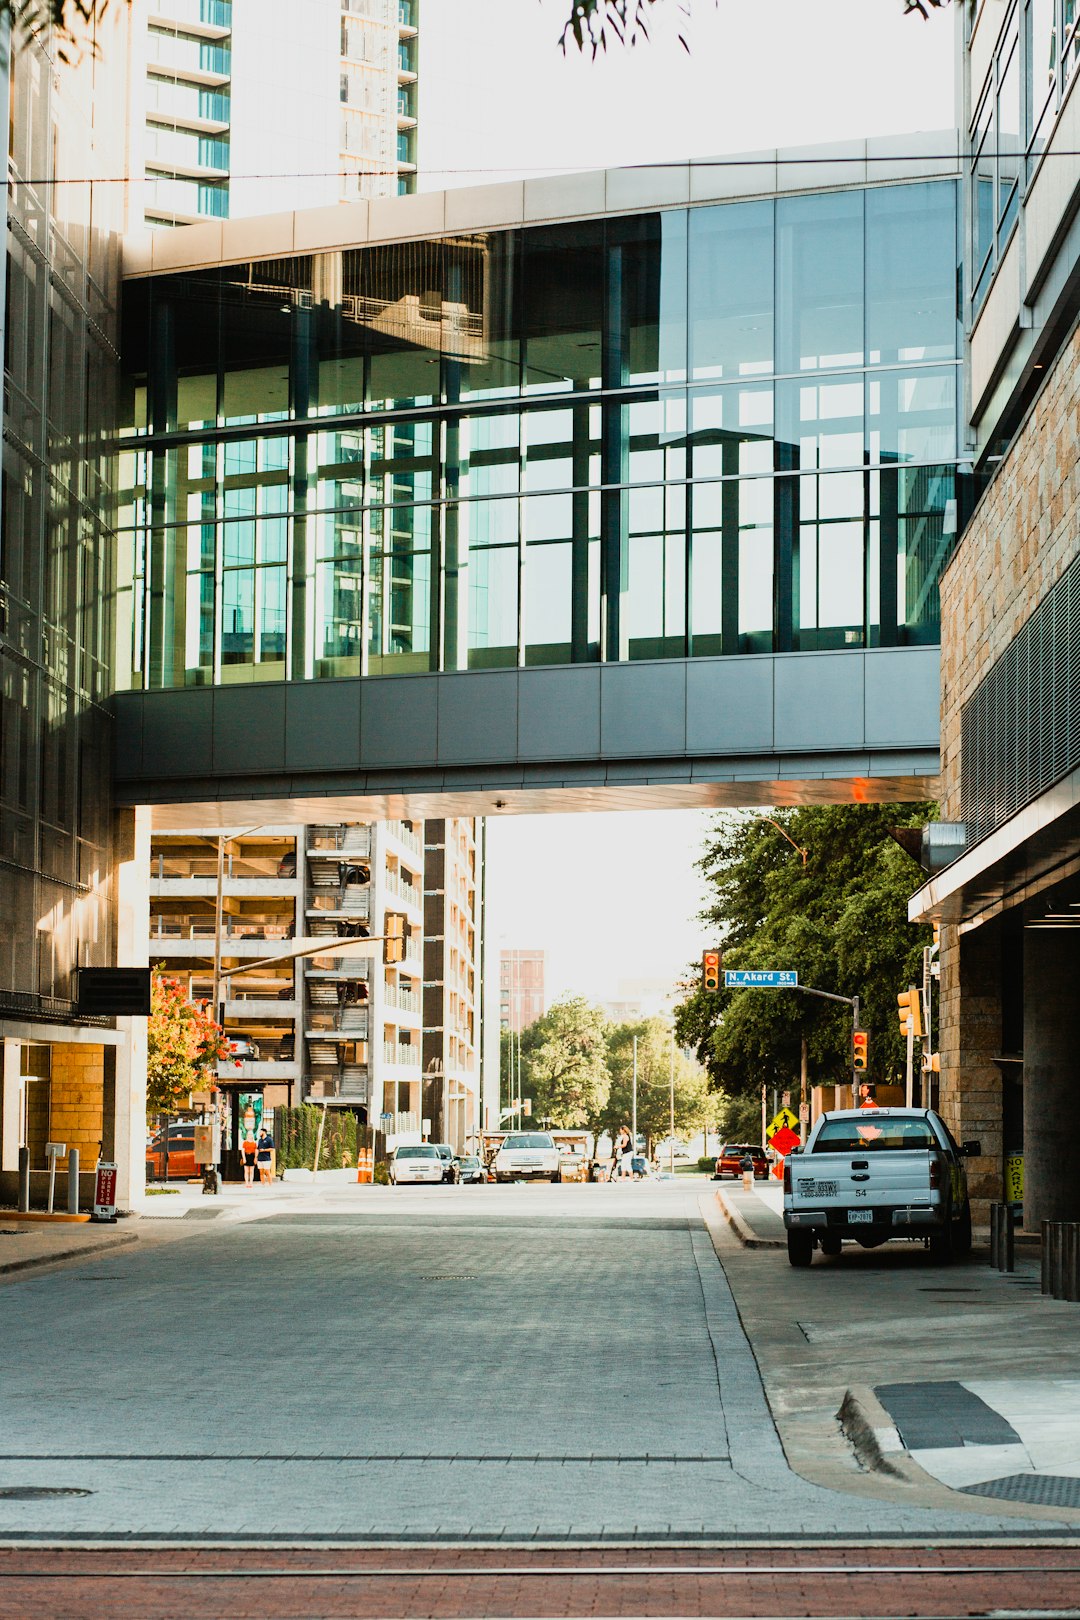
x,y
952,1379
36,1243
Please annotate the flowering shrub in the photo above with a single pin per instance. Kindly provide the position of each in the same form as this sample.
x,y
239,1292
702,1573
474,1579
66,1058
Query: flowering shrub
x,y
184,1047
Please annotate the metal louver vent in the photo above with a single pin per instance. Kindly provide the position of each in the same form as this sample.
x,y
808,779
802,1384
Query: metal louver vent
x,y
1020,728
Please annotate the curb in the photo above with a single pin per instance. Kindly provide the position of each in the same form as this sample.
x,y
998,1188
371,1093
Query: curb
x,y
68,1254
871,1433
745,1234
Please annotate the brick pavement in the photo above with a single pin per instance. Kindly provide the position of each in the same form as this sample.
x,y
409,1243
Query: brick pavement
x,y
566,1365
299,1582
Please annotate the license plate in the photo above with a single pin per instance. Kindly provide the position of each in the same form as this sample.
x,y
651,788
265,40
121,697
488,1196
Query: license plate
x,y
860,1215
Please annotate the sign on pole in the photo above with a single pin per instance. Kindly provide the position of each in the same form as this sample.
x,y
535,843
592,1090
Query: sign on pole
x,y
104,1191
760,978
784,1119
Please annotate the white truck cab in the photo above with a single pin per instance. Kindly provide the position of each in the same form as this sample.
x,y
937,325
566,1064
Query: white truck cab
x,y
867,1175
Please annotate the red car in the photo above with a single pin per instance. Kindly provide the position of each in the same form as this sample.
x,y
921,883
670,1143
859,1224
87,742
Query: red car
x,y
730,1158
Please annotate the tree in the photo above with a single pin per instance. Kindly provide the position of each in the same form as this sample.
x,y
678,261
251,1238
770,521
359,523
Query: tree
x,y
183,1047
840,920
654,1056
593,22
563,1063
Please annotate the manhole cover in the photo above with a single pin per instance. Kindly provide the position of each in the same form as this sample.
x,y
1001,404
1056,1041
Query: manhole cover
x,y
33,1493
111,1277
448,1279
1039,1490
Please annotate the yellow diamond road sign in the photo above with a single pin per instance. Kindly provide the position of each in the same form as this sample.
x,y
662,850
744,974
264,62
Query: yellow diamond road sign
x,y
784,1117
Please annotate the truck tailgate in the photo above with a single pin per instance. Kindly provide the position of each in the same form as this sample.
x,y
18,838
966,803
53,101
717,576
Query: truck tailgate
x,y
845,1180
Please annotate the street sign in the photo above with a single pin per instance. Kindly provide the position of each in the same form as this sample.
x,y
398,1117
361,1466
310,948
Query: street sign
x,y
760,979
104,1191
784,1140
784,1118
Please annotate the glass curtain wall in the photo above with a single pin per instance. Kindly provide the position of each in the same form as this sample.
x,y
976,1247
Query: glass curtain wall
x,y
729,429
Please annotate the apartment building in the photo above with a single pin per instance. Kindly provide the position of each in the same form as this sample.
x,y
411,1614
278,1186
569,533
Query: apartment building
x,y
452,989
337,1024
240,107
521,988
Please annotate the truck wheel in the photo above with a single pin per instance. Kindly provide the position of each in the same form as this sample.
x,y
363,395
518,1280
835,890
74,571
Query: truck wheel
x,y
962,1231
941,1244
800,1248
830,1245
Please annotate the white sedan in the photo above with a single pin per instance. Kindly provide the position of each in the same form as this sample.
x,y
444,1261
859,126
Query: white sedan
x,y
527,1155
420,1163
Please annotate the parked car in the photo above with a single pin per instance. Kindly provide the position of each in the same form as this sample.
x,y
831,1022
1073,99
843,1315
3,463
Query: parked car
x,y
469,1169
417,1163
182,1166
243,1048
868,1175
527,1155
729,1161
446,1154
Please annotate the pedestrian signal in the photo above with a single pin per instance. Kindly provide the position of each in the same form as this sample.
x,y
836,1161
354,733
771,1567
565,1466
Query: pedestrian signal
x,y
909,1008
710,970
860,1043
396,931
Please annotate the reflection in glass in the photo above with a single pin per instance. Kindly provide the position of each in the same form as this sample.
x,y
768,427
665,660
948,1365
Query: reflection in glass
x,y
548,613
493,608
564,274
819,271
911,273
730,316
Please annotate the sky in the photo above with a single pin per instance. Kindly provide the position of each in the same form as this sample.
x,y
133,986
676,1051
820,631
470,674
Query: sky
x,y
615,896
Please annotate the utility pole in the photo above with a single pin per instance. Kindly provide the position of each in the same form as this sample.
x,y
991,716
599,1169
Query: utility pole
x,y
802,1093
633,1109
671,1120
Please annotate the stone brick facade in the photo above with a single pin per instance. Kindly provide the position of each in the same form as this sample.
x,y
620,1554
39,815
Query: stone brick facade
x,y
1021,538
1024,534
76,1113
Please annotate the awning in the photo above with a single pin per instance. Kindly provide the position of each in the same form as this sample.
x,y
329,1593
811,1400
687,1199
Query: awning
x,y
1032,851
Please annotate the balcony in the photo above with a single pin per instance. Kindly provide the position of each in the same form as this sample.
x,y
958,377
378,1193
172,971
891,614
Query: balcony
x,y
351,900
348,1082
400,1055
405,835
409,893
349,1023
404,1000
348,841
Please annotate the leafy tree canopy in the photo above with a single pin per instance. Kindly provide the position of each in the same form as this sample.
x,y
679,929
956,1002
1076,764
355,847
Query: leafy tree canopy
x,y
563,1064
183,1047
593,22
654,1065
840,920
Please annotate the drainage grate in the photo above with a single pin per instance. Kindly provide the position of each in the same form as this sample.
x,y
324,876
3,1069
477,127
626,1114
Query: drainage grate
x,y
448,1278
1038,1490
35,1493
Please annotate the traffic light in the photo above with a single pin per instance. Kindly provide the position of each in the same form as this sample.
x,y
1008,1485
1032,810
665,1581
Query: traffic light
x,y
710,970
909,1007
860,1044
396,931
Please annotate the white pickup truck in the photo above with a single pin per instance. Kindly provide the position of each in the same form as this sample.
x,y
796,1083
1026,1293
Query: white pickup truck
x,y
870,1174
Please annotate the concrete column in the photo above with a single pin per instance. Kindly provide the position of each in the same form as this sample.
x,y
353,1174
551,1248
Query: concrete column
x,y
132,843
970,1093
1051,1059
10,1104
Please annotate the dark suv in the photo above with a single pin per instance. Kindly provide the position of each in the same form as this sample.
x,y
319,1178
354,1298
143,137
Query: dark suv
x,y
446,1154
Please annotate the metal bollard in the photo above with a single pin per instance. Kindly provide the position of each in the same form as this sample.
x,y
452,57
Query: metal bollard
x,y
1008,1239
995,1236
1047,1269
73,1181
24,1179
1071,1268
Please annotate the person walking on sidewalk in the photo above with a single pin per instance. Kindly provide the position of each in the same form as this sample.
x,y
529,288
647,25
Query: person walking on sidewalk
x,y
265,1155
248,1150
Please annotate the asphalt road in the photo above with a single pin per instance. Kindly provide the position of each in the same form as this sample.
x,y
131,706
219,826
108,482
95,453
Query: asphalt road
x,y
514,1365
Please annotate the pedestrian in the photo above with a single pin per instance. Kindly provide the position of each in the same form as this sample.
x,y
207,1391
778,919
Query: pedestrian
x,y
248,1150
265,1155
624,1154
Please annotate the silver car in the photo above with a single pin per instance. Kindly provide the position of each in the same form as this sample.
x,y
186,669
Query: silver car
x,y
527,1156
415,1164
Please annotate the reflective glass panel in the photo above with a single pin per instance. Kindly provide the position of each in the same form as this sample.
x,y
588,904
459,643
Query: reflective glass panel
x,y
564,273
819,278
911,273
730,278
548,604
911,415
493,607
